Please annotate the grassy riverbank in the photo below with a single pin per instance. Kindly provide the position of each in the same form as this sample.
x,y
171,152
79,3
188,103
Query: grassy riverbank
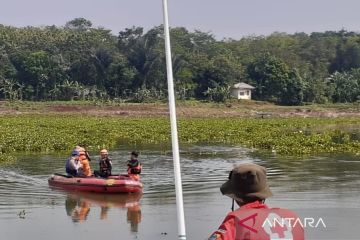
x,y
289,136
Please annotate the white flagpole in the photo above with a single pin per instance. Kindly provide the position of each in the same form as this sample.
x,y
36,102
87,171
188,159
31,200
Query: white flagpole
x,y
174,134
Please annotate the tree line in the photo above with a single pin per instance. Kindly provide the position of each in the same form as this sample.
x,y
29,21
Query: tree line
x,y
78,61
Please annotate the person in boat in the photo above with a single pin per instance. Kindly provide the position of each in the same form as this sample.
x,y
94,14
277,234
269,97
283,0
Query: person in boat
x,y
134,166
85,170
82,146
105,165
247,186
73,164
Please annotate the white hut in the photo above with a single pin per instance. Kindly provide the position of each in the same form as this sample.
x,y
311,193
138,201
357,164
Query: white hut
x,y
241,91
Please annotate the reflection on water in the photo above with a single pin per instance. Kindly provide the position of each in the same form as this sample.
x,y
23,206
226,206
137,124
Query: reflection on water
x,y
79,204
304,184
77,210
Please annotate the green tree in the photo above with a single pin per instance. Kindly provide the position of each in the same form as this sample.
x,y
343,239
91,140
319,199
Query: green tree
x,y
119,76
146,53
347,54
343,87
270,76
79,24
294,93
43,71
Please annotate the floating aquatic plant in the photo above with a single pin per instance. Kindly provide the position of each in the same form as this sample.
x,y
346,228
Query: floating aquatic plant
x,y
53,133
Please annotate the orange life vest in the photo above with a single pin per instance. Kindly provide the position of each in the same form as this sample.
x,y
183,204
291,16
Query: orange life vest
x,y
135,177
255,221
86,169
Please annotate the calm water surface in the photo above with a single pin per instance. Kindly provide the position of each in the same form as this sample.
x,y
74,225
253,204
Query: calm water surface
x,y
326,187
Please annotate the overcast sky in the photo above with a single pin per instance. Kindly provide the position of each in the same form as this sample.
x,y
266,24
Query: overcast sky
x,y
224,18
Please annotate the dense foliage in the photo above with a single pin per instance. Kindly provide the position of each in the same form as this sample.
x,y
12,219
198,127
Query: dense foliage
x,y
78,61
54,133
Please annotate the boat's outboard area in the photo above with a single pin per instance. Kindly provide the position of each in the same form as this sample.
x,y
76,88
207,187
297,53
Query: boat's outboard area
x,y
19,191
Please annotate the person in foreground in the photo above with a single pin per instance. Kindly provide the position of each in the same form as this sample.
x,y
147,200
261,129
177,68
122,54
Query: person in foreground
x,y
254,220
134,166
105,165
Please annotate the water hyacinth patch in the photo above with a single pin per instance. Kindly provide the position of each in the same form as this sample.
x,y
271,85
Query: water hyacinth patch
x,y
50,133
6,159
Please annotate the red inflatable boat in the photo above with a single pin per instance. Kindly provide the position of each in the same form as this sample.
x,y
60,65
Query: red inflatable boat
x,y
113,184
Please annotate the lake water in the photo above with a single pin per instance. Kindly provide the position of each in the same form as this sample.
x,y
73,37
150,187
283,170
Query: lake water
x,y
326,187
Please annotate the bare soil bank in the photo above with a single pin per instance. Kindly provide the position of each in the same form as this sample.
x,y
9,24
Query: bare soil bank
x,y
184,109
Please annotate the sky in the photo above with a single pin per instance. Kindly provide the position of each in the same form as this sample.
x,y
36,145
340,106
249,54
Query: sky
x,y
224,18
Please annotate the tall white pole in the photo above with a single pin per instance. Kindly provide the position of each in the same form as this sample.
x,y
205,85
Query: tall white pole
x,y
174,133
